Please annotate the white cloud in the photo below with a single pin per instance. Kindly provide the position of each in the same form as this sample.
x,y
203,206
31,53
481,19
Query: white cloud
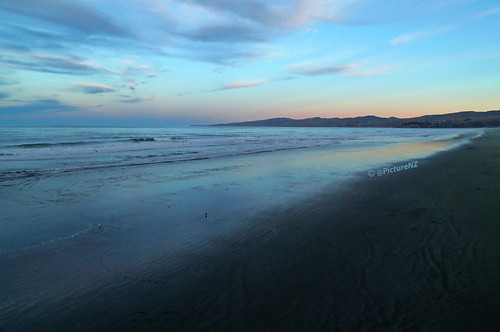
x,y
369,72
92,88
314,69
44,62
419,35
243,84
407,38
136,100
489,12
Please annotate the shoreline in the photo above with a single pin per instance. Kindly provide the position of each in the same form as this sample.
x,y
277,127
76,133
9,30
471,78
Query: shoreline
x,y
413,250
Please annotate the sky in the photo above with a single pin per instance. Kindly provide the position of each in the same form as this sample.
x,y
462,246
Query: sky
x,y
178,62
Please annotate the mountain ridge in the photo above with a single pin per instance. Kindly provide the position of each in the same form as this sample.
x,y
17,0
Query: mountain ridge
x,y
464,119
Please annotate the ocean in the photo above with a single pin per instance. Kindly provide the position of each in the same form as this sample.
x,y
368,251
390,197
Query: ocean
x,y
91,215
43,151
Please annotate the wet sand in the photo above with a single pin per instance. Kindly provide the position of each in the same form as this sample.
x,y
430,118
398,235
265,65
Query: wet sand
x,y
416,250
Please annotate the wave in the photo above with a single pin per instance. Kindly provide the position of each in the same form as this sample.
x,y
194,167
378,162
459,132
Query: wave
x,y
45,145
12,175
56,144
143,139
154,139
114,139
26,173
128,162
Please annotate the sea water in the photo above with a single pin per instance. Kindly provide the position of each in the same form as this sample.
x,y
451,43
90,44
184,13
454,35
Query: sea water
x,y
39,151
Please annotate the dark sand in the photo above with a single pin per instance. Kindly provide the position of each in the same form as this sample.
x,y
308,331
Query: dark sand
x,y
416,250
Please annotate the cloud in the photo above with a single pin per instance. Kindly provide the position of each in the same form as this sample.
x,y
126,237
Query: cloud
x,y
226,34
235,29
310,69
137,67
56,64
39,106
131,85
7,81
4,95
91,88
173,28
69,14
22,38
290,15
242,84
411,37
135,100
250,21
407,38
227,55
369,72
488,12
249,10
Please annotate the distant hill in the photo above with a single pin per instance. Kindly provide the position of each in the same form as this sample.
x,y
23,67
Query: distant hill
x,y
450,120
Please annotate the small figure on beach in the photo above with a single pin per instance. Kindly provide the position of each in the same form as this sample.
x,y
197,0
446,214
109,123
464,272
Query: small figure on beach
x,y
206,215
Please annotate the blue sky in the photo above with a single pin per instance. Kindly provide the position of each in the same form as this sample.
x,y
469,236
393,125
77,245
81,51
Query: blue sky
x,y
164,62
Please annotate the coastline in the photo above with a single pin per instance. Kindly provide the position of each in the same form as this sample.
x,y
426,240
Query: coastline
x,y
412,250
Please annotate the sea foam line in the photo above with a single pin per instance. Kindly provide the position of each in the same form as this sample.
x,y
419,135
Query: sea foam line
x,y
48,242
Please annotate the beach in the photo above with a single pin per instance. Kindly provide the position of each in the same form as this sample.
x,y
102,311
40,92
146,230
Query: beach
x,y
416,252
412,250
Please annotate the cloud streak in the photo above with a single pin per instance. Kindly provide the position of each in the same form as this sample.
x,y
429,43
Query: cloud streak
x,y
226,34
489,12
49,63
407,38
290,15
369,72
135,100
91,88
69,14
5,81
39,107
415,36
242,84
317,70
